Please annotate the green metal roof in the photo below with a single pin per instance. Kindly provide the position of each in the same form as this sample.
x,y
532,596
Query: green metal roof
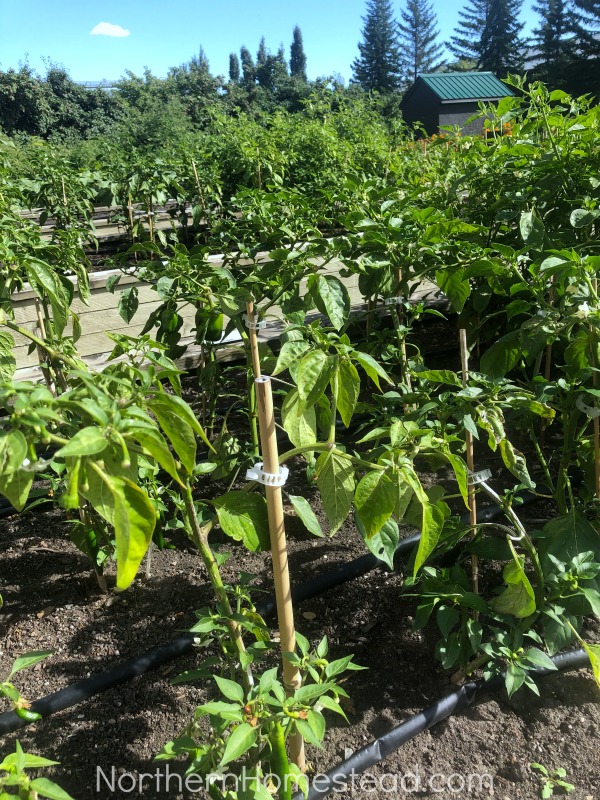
x,y
466,85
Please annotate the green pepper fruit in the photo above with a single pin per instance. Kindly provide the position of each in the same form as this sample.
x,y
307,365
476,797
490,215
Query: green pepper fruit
x,y
209,325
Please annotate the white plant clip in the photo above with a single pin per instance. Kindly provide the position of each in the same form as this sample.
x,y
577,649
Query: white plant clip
x,y
479,477
590,411
253,324
256,473
393,301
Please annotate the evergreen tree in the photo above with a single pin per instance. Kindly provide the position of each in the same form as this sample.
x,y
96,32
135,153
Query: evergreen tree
x,y
261,56
379,65
466,42
297,56
589,29
234,68
421,52
248,68
501,45
554,40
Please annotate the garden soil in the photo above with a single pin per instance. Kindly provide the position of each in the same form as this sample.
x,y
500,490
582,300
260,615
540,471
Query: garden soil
x,y
52,601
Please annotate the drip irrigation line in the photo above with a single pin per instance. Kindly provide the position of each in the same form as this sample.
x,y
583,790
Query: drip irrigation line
x,y
381,748
162,654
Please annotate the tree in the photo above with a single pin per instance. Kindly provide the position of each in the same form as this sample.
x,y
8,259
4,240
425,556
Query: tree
x,y
297,56
501,46
466,42
379,65
589,30
234,68
553,41
261,55
248,68
421,52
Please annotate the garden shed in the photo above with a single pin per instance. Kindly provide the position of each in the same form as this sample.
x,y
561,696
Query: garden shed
x,y
451,98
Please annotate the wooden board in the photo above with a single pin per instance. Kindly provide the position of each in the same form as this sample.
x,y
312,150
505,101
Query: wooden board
x,y
101,315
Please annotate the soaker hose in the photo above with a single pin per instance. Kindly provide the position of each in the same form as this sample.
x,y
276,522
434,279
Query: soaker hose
x,y
381,748
162,654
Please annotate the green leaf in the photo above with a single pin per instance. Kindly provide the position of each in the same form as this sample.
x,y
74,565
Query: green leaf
x,y
432,520
152,440
454,285
300,425
15,486
13,451
330,297
502,356
290,353
128,303
382,544
375,500
239,742
532,229
28,761
440,376
593,651
128,509
243,516
371,367
514,678
86,442
47,788
539,659
48,284
336,484
314,373
348,391
230,689
518,599
306,514
179,425
28,660
581,217
134,522
515,462
8,362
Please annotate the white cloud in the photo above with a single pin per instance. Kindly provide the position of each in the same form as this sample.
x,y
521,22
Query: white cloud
x,y
108,29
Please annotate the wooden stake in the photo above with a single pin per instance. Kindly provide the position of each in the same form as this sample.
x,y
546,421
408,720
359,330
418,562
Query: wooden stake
x,y
283,592
464,358
596,419
253,337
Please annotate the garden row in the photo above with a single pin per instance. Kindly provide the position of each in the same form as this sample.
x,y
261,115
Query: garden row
x,y
507,229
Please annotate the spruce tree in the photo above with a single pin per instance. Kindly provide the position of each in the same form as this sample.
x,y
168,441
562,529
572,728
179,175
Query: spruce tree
x,y
554,41
248,68
234,68
589,29
466,42
297,56
379,65
501,45
261,56
421,52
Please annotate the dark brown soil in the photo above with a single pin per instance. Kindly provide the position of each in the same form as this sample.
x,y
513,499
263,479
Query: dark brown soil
x,y
52,602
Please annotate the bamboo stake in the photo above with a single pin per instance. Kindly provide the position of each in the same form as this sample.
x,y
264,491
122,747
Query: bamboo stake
x,y
283,593
200,193
596,419
464,358
253,336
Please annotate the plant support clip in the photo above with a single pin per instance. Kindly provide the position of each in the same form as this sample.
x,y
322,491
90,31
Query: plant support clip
x,y
256,473
393,301
253,324
589,411
479,477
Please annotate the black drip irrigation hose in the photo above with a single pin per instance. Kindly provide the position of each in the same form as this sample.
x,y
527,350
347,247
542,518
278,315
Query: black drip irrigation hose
x,y
161,654
381,748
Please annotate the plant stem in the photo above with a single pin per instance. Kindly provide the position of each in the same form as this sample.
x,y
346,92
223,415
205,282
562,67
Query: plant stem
x,y
199,536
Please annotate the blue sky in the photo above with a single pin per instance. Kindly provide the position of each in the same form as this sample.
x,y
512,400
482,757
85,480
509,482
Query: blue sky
x,y
163,34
